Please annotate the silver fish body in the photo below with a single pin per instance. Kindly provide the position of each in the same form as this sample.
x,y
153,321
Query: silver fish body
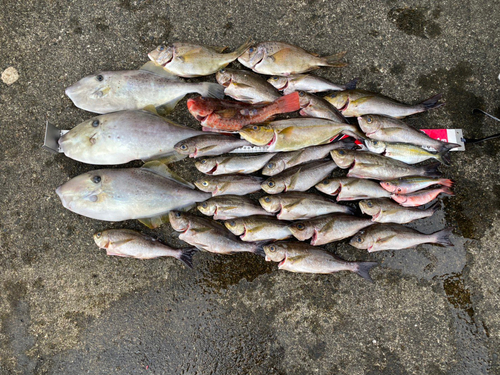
x,y
229,184
258,228
349,189
407,153
387,211
233,164
303,82
314,106
224,207
209,145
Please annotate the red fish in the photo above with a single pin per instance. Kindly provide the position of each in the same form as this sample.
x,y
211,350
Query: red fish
x,y
230,115
420,197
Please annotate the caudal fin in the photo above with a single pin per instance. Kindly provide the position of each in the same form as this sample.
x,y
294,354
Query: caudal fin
x,y
211,90
443,153
187,256
443,237
446,182
447,190
351,85
241,49
288,103
431,170
364,270
333,60
432,102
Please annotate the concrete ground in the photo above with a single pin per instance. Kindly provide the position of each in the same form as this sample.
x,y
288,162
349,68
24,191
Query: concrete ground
x,y
67,308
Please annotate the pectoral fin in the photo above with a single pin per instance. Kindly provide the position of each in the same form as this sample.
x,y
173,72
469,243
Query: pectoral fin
x,y
153,67
162,170
154,222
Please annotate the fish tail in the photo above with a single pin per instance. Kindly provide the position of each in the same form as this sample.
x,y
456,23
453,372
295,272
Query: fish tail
x,y
364,268
351,85
431,170
288,103
434,207
443,237
445,147
447,190
259,249
241,49
211,90
333,60
446,182
432,102
187,256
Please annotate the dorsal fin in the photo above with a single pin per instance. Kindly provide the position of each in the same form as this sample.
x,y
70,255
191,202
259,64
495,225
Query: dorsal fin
x,y
161,169
153,67
218,49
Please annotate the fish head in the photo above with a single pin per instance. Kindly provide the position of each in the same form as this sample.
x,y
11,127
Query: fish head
x,y
207,185
342,157
375,146
224,77
252,56
361,240
400,198
339,99
279,83
85,194
304,99
274,252
273,167
273,186
179,221
90,89
200,107
329,186
186,147
370,124
369,207
270,203
259,135
102,239
207,208
302,230
162,54
206,165
236,226
391,186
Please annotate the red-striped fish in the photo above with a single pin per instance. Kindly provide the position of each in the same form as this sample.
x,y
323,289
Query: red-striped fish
x,y
420,197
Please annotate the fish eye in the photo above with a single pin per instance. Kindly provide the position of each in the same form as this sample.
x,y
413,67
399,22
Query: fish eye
x,y
251,49
270,165
326,182
369,119
275,78
161,48
358,239
341,152
302,93
177,214
271,184
204,205
95,123
98,235
205,183
375,143
96,179
100,77
183,147
399,190
369,204
222,71
272,248
255,127
203,161
231,223
300,226
267,199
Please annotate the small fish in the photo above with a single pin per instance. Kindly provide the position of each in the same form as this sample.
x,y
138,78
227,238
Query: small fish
x,y
386,211
225,207
307,83
208,145
328,228
299,178
114,91
405,152
369,165
120,137
129,243
258,228
354,103
396,237
283,59
304,258
350,189
388,129
245,86
301,206
412,184
314,106
208,235
233,164
230,115
285,160
193,60
229,184
421,197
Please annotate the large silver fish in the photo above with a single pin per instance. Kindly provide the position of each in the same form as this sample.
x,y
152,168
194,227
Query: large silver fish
x,y
224,207
302,257
386,211
120,137
113,91
349,189
127,193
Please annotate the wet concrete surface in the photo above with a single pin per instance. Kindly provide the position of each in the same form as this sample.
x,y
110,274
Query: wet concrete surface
x,y
67,308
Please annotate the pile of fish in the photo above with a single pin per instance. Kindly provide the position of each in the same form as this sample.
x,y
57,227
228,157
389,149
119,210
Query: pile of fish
x,y
300,168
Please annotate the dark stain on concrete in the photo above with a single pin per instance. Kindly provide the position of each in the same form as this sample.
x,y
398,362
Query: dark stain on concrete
x,y
416,21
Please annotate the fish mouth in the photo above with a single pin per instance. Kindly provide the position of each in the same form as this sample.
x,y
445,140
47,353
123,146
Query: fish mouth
x,y
314,238
201,118
284,87
211,171
273,140
280,264
344,107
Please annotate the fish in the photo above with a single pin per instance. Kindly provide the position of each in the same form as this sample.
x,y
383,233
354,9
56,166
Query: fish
x,y
314,106
350,189
412,184
229,184
113,91
388,129
328,228
194,60
208,235
420,197
396,237
132,244
369,165
258,228
145,193
233,164
301,257
285,160
299,178
230,115
405,152
209,145
308,83
225,207
120,137
283,59
386,211
354,103
246,86
296,133
300,206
